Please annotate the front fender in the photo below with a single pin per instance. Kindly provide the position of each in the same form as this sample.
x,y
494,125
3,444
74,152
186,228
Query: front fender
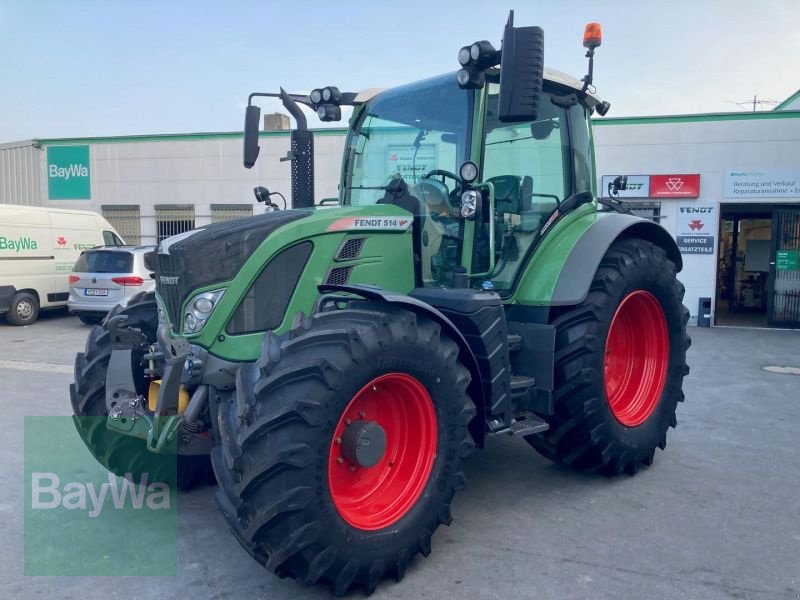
x,y
466,355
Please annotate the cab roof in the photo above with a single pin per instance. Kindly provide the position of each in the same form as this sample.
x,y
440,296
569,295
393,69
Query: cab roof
x,y
551,75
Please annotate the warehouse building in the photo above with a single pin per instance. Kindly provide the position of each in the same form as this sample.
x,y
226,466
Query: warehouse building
x,y
726,186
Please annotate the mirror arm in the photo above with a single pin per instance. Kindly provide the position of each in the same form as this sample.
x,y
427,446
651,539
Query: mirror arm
x,y
291,105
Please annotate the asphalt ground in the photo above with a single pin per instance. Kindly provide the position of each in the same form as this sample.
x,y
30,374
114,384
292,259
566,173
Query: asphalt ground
x,y
716,516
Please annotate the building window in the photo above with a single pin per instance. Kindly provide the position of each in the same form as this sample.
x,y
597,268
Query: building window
x,y
172,219
228,212
648,210
126,220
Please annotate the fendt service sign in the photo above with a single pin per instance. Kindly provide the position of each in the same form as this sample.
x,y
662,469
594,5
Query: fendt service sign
x,y
696,227
68,174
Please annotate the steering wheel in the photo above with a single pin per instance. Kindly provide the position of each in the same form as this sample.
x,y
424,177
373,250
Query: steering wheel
x,y
442,173
433,193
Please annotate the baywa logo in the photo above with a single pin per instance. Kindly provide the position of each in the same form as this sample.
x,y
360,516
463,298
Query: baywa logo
x,y
674,184
18,245
119,493
68,172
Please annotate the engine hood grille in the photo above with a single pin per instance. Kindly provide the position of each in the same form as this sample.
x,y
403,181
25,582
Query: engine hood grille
x,y
211,254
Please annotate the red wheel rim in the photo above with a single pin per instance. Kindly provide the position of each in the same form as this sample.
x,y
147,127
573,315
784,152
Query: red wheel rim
x,y
375,497
636,358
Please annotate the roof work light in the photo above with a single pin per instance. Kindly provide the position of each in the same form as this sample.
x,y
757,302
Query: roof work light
x,y
475,59
326,102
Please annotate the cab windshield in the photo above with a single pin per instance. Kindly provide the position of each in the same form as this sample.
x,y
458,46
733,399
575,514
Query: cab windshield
x,y
410,132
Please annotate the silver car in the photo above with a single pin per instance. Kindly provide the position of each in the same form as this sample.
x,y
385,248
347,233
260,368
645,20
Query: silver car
x,y
106,276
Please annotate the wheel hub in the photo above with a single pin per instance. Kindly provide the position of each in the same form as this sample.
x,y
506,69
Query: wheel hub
x,y
24,309
363,443
382,452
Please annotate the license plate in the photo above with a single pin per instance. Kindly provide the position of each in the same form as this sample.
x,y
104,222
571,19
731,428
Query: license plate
x,y
96,292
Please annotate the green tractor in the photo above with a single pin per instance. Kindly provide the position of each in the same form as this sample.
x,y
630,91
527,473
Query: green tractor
x,y
338,364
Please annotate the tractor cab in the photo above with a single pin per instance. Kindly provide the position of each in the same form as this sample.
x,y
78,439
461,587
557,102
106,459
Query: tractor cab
x,y
484,164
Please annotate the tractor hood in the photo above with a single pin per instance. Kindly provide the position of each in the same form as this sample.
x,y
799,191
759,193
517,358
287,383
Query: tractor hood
x,y
213,253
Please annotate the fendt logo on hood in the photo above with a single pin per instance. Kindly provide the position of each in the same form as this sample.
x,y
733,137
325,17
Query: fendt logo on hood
x,y
168,279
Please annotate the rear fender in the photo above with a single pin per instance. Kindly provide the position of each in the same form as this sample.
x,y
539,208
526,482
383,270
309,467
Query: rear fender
x,y
563,264
582,262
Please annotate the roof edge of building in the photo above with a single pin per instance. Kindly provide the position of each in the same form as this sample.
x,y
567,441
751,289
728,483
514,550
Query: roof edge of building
x,y
173,137
699,118
634,120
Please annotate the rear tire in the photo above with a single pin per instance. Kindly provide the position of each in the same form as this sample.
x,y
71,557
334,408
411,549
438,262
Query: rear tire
x,y
291,503
24,309
616,395
121,454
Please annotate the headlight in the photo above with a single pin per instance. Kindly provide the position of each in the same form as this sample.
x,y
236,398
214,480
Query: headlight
x,y
468,171
199,310
469,204
464,56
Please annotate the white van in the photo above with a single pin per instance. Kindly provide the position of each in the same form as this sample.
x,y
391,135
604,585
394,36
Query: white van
x,y
38,248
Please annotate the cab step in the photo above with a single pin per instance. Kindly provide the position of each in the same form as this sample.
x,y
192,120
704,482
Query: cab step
x,y
524,426
520,384
514,342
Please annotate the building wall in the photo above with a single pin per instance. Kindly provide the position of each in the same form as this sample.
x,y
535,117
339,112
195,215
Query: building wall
x,y
199,170
19,174
709,146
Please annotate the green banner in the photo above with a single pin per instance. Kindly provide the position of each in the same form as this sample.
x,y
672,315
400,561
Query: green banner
x,y
80,519
68,173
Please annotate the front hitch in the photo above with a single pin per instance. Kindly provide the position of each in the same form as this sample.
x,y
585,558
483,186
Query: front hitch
x,y
127,410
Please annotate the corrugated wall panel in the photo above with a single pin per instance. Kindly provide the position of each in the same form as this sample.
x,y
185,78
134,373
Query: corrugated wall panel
x,y
20,175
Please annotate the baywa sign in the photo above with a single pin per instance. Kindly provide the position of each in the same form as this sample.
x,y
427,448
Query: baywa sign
x,y
68,173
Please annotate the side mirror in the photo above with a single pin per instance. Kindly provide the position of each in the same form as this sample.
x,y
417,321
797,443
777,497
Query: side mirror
x,y
252,119
262,194
620,184
521,73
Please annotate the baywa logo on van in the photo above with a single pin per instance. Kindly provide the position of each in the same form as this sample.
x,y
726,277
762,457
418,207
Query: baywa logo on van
x,y
19,244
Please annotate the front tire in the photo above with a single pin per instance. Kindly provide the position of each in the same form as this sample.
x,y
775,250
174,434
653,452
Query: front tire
x,y
620,363
298,498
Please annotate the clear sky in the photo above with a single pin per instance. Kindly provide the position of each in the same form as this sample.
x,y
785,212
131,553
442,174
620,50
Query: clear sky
x,y
83,68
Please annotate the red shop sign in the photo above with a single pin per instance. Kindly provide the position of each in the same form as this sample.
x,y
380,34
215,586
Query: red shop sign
x,y
675,186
